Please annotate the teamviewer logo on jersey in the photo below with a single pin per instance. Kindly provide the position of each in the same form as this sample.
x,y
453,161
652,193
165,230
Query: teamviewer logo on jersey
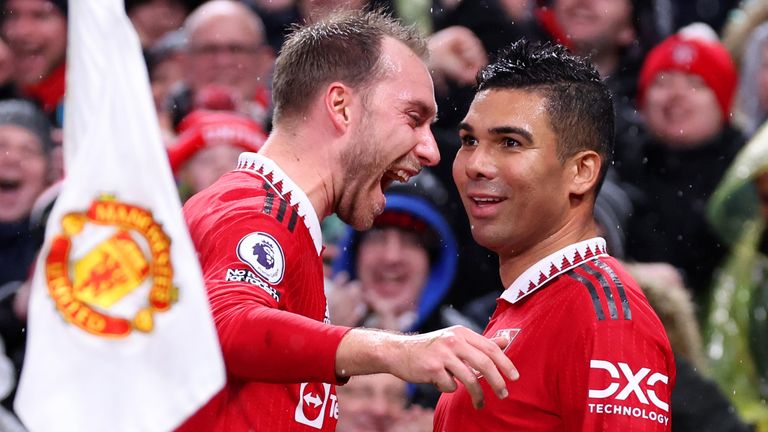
x,y
264,255
310,409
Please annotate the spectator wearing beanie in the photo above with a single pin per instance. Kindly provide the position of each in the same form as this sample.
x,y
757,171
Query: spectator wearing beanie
x,y
686,87
25,146
403,286
208,146
36,33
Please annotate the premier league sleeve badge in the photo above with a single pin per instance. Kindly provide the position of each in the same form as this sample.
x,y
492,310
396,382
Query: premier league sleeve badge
x,y
264,255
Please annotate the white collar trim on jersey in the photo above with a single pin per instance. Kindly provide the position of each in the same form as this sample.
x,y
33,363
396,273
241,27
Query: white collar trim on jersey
x,y
283,185
552,266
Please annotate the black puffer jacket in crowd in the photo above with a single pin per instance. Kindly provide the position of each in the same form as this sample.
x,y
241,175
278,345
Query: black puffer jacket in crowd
x,y
670,189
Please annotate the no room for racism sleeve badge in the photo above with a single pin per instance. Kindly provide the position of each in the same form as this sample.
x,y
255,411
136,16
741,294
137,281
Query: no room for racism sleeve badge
x,y
109,269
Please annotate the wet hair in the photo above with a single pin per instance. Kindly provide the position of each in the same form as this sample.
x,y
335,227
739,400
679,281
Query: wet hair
x,y
578,103
344,47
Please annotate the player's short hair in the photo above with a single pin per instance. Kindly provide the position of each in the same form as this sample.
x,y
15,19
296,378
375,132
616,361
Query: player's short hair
x,y
344,47
578,103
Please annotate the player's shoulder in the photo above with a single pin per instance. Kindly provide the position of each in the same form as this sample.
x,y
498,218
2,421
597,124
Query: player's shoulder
x,y
241,196
605,294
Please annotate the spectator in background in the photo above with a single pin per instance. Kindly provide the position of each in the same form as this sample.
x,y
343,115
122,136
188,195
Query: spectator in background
x,y
208,145
686,87
36,32
378,403
166,73
608,32
615,36
751,108
25,147
226,46
153,19
404,265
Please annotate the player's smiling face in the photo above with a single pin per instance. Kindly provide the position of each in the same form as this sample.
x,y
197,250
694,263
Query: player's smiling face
x,y
511,181
392,140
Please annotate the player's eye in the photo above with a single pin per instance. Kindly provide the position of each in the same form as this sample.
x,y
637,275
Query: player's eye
x,y
468,140
509,142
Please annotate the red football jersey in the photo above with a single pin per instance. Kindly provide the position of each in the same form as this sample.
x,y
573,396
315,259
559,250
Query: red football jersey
x,y
259,244
591,352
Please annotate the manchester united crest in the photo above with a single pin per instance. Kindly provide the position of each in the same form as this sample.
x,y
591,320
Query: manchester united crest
x,y
109,269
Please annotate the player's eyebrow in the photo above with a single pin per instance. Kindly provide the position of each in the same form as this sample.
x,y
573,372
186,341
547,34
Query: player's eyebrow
x,y
506,130
500,130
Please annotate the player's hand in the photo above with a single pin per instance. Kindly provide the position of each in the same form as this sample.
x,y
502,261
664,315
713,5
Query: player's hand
x,y
456,353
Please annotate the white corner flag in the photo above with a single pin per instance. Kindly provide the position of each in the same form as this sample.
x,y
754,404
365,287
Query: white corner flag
x,y
120,336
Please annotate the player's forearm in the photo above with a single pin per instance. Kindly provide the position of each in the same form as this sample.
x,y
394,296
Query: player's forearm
x,y
270,345
367,351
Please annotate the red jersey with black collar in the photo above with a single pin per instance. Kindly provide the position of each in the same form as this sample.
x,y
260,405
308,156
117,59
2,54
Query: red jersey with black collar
x,y
592,354
259,243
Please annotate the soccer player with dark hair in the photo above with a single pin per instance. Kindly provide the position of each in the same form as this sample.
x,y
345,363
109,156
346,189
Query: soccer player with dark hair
x,y
592,354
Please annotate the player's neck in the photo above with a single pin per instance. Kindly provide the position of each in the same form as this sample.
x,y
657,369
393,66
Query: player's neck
x,y
513,264
307,167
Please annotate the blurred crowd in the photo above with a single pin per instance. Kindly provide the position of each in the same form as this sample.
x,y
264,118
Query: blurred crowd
x,y
684,206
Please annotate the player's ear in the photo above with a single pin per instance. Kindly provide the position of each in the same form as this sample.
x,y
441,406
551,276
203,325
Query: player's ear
x,y
338,98
584,171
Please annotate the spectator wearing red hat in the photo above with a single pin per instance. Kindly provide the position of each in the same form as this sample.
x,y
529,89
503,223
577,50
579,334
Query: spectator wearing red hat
x,y
208,146
686,88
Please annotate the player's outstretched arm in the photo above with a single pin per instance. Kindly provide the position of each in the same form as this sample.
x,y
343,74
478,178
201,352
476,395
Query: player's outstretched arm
x,y
440,358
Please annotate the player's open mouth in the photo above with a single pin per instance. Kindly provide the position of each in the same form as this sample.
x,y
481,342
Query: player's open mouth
x,y
395,175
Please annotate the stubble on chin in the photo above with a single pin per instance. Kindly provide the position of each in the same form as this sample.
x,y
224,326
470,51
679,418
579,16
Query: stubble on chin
x,y
363,215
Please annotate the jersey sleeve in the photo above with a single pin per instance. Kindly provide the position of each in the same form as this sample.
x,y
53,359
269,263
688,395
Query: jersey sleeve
x,y
622,378
245,257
